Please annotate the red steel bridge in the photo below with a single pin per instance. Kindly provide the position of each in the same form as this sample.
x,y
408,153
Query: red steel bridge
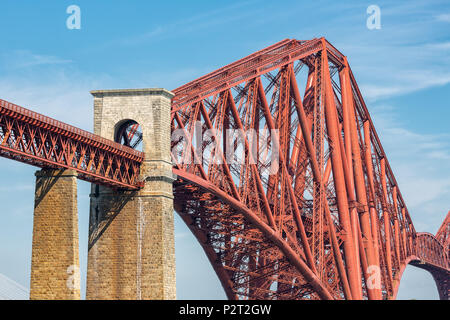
x,y
330,223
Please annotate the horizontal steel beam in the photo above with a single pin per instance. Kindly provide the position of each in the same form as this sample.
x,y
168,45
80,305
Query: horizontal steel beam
x,y
33,138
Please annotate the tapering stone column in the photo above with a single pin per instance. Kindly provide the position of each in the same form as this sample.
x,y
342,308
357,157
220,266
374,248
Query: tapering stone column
x,y
55,269
131,234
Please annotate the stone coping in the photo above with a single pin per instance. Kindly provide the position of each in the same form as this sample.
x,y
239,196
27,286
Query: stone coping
x,y
143,91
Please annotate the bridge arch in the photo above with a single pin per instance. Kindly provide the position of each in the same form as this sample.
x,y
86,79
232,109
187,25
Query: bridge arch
x,y
429,255
332,209
417,284
334,200
189,189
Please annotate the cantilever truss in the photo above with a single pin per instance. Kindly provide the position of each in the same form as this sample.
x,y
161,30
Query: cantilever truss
x,y
443,234
41,141
330,222
323,220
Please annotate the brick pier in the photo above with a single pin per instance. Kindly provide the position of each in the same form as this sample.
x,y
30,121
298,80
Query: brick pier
x,y
55,260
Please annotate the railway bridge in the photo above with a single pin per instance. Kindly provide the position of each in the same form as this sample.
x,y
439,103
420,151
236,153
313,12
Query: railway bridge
x,y
273,162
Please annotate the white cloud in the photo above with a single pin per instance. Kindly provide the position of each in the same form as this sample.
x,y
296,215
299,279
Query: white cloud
x,y
201,21
421,165
64,101
17,188
445,17
409,53
26,59
61,92
387,71
441,46
404,82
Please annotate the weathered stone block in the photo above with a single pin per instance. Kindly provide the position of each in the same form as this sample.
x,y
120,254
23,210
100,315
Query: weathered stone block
x,y
131,246
55,259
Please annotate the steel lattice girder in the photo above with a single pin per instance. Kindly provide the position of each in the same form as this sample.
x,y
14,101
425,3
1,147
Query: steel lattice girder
x,y
443,234
318,228
38,140
333,210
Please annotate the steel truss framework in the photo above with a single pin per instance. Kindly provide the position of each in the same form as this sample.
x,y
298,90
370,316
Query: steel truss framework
x,y
331,223
41,141
328,223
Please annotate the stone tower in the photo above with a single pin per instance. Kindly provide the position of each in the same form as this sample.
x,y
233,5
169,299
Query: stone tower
x,y
131,252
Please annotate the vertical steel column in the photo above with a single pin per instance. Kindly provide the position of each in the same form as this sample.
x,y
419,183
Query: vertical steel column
x,y
316,174
396,227
354,149
372,196
404,229
387,221
339,181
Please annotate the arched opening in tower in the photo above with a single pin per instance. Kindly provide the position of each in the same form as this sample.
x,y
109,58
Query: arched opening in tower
x,y
129,133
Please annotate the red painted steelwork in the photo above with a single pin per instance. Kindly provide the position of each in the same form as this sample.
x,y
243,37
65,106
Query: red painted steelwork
x,y
329,223
443,234
41,141
331,215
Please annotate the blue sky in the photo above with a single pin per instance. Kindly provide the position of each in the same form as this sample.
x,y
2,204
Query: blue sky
x,y
403,70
